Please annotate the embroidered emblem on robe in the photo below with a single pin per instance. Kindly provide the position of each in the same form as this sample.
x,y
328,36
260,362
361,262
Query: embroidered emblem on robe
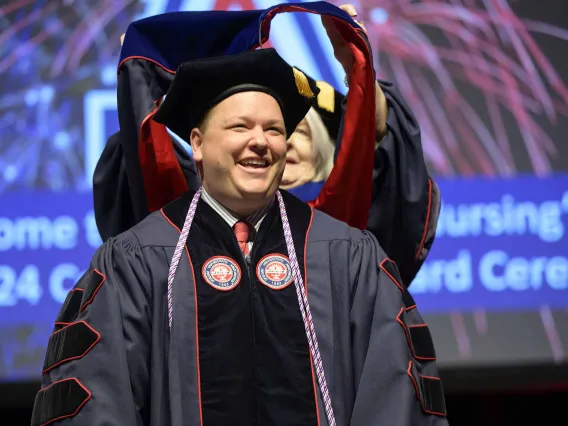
x,y
221,273
274,271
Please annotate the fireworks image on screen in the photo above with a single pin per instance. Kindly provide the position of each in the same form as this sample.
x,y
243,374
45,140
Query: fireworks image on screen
x,y
471,71
479,84
51,53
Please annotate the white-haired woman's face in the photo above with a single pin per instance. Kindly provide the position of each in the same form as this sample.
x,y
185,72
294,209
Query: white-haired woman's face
x,y
300,158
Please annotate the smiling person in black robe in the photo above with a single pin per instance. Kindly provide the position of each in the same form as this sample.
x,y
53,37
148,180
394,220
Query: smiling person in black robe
x,y
239,304
405,200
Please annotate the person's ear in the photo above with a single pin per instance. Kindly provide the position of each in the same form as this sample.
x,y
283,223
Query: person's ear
x,y
196,141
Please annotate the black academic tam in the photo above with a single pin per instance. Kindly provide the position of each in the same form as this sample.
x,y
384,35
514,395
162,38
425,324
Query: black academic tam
x,y
200,85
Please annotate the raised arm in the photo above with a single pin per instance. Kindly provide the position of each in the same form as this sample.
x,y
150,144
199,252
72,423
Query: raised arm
x,y
406,200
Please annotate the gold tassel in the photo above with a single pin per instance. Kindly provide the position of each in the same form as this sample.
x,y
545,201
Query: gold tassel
x,y
326,96
302,84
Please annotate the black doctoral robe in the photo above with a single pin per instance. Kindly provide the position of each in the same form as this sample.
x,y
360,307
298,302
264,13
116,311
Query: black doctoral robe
x,y
237,352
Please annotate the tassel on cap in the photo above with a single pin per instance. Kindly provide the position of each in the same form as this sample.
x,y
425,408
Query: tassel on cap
x,y
326,96
302,84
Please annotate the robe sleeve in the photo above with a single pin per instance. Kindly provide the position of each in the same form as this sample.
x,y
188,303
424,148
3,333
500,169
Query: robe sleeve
x,y
406,200
395,375
114,190
96,364
111,191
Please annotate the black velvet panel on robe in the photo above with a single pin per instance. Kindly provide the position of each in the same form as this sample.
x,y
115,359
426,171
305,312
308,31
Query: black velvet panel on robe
x,y
254,364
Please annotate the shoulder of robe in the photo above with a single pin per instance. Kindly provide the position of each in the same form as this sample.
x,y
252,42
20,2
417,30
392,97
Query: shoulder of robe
x,y
130,254
154,230
111,268
123,264
326,228
135,249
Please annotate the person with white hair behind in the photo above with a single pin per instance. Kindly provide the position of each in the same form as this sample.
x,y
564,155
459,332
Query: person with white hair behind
x,y
310,153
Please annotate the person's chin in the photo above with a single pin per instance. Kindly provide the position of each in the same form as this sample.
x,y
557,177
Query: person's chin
x,y
288,179
255,188
289,182
287,185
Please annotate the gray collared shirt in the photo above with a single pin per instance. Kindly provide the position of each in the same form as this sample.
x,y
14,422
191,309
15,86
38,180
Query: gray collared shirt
x,y
254,219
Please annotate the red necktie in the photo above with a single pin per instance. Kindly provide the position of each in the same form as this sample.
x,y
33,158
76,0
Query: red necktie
x,y
242,231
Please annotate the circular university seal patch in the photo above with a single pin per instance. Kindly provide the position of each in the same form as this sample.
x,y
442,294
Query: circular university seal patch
x,y
274,271
221,273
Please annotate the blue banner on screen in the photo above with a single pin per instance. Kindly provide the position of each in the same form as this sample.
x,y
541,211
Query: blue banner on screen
x,y
501,244
46,242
